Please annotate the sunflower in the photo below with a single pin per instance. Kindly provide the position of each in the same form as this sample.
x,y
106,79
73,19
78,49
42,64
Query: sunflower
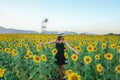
x,y
7,50
38,48
27,46
20,45
10,45
119,60
74,76
2,72
29,53
74,57
97,57
14,53
26,56
44,45
77,48
68,72
36,59
103,45
1,48
108,56
22,40
43,57
99,67
118,49
87,59
66,55
65,48
54,51
95,49
95,43
90,48
117,69
82,43
50,45
113,46
36,43
15,45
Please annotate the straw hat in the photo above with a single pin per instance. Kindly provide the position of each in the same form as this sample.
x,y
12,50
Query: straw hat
x,y
61,34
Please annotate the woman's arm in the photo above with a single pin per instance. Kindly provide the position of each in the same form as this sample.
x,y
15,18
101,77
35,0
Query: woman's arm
x,y
71,47
48,42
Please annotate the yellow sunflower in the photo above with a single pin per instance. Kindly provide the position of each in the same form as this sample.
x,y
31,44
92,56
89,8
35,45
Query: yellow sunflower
x,y
36,59
66,55
68,72
27,46
14,53
74,57
10,45
118,49
36,43
44,45
95,43
87,59
119,60
103,45
50,45
15,45
54,51
43,57
108,56
38,48
82,43
99,67
97,57
74,76
113,46
78,48
117,69
7,50
1,48
2,72
28,55
90,48
95,49
65,48
20,45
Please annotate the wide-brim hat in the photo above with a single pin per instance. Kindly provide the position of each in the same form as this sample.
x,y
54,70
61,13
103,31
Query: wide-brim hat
x,y
61,34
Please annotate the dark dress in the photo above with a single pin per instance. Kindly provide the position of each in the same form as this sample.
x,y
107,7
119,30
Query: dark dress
x,y
60,58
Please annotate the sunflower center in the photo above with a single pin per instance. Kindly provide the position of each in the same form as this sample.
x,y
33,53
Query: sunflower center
x,y
74,78
87,59
43,57
37,58
100,68
74,57
0,48
109,56
119,68
90,48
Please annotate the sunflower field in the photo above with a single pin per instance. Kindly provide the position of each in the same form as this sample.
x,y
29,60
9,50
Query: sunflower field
x,y
22,58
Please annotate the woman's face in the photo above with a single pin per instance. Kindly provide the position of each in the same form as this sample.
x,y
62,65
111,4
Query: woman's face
x,y
60,38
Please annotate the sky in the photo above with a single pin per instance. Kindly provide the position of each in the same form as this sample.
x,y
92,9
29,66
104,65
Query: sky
x,y
94,16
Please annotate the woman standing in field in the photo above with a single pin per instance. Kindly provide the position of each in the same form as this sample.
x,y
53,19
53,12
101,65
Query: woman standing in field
x,y
60,58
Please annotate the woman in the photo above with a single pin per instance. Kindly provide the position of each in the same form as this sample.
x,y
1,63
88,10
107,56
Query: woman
x,y
60,58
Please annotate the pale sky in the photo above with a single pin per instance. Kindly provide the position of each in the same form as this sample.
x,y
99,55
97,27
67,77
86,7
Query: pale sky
x,y
94,16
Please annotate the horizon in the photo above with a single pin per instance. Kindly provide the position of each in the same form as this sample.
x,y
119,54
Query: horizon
x,y
93,16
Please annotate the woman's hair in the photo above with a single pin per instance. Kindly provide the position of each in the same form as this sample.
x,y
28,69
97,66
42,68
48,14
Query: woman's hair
x,y
60,38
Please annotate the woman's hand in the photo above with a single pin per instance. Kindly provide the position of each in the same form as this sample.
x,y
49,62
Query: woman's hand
x,y
77,52
40,43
